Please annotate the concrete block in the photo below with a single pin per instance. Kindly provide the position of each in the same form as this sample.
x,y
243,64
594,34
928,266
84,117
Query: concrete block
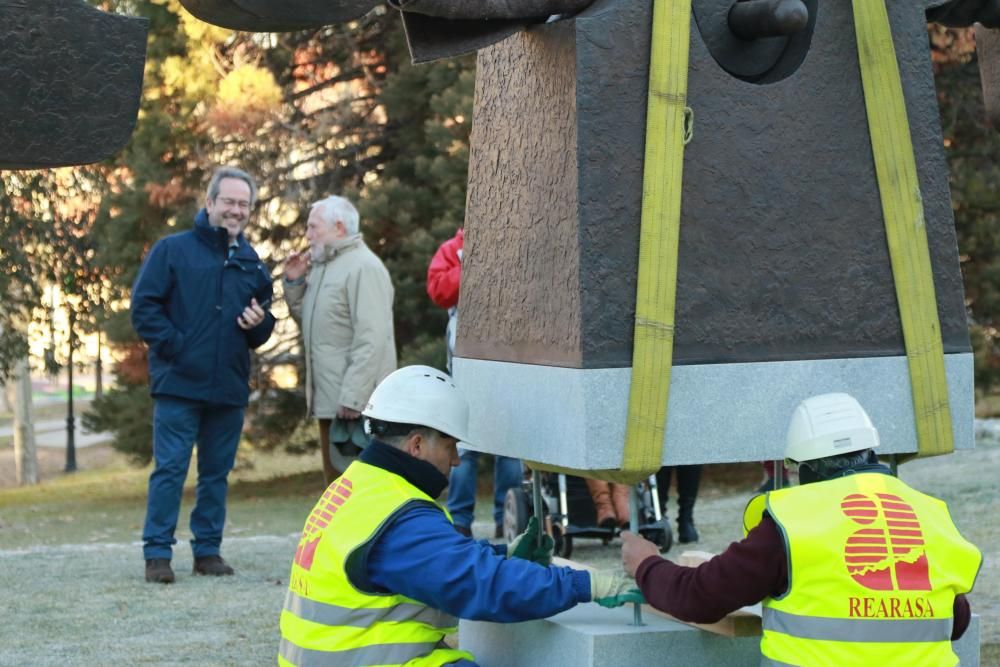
x,y
717,413
967,648
591,636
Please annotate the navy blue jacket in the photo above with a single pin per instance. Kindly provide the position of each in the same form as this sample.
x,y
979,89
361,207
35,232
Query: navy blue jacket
x,y
419,554
185,302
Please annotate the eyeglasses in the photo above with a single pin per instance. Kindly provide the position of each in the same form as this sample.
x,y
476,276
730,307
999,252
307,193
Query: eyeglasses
x,y
241,204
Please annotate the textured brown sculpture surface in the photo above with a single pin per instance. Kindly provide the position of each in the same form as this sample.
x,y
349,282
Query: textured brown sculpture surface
x,y
70,82
525,228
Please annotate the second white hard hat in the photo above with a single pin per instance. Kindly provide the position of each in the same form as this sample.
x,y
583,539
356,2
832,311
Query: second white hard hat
x,y
828,425
422,396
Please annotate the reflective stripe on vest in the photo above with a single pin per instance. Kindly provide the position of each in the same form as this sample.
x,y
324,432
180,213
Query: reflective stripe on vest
x,y
857,630
366,656
331,614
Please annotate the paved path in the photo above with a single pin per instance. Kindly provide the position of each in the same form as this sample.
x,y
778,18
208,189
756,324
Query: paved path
x,y
52,433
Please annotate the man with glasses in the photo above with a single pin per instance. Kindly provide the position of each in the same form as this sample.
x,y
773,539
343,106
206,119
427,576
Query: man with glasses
x,y
199,302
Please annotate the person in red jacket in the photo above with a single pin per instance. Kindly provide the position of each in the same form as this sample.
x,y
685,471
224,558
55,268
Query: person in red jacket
x,y
443,279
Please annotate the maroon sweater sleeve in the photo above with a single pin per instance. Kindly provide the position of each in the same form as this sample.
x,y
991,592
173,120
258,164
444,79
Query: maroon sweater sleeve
x,y
744,574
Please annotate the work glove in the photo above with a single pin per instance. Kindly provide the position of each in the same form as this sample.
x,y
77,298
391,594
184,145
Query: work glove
x,y
613,589
526,545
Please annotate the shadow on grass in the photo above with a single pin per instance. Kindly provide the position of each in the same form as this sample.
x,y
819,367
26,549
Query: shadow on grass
x,y
309,484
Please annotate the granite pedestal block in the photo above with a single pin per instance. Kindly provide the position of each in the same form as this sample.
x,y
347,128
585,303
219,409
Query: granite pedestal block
x,y
717,413
591,636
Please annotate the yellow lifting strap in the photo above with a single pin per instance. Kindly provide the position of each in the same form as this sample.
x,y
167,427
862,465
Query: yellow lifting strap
x,y
668,127
903,211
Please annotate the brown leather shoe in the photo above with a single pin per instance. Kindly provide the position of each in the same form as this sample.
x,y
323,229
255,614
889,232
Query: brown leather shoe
x,y
211,565
600,493
158,571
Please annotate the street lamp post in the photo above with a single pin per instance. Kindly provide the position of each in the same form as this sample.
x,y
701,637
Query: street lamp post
x,y
70,421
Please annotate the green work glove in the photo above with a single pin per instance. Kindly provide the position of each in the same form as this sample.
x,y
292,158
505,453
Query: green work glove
x,y
613,589
526,545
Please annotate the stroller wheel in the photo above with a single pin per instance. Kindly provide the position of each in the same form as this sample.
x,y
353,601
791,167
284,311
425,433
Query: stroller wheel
x,y
563,542
661,537
516,512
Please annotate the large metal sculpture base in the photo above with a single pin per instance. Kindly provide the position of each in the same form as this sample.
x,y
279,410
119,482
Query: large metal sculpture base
x,y
784,281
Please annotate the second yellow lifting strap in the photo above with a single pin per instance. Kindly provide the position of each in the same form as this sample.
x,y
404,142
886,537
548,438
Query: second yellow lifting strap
x,y
902,209
668,126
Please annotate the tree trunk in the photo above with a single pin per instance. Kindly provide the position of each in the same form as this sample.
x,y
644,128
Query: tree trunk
x,y
988,48
5,401
99,370
25,454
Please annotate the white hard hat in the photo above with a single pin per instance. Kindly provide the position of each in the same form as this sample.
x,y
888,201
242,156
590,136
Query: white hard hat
x,y
828,425
422,396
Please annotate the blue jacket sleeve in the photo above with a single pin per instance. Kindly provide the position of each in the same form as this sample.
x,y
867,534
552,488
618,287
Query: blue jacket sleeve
x,y
150,296
422,556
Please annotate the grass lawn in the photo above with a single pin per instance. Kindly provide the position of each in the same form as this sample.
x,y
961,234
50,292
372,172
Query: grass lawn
x,y
71,564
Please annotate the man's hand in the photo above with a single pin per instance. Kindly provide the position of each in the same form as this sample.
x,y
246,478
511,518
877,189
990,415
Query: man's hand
x,y
344,412
297,265
252,316
526,545
636,549
613,589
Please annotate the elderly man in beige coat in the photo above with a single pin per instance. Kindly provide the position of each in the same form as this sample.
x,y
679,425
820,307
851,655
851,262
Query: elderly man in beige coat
x,y
344,308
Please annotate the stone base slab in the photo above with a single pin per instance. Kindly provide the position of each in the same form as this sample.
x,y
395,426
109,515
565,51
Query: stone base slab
x,y
591,636
717,413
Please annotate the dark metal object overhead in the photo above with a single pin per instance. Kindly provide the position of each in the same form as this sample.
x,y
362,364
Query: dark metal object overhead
x,y
70,82
754,19
964,13
491,9
276,16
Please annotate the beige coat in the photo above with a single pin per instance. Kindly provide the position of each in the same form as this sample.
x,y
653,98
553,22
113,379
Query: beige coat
x,y
344,309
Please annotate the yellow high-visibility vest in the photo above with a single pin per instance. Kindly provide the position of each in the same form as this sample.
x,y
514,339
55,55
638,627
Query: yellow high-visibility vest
x,y
873,570
328,619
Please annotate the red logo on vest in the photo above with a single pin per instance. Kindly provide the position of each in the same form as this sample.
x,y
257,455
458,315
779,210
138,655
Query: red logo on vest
x,y
888,554
338,492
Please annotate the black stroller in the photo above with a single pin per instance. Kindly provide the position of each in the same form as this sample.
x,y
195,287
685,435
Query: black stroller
x,y
569,512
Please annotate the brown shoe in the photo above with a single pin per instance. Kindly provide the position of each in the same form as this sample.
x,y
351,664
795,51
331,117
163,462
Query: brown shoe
x,y
601,494
211,565
619,498
158,571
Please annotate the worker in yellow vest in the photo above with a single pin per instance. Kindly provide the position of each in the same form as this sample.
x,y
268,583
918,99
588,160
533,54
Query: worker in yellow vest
x,y
853,567
380,573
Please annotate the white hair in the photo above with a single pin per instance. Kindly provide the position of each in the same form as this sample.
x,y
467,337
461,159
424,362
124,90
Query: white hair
x,y
334,209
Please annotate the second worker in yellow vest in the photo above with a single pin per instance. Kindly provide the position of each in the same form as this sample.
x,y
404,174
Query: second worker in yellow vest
x,y
381,576
852,567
